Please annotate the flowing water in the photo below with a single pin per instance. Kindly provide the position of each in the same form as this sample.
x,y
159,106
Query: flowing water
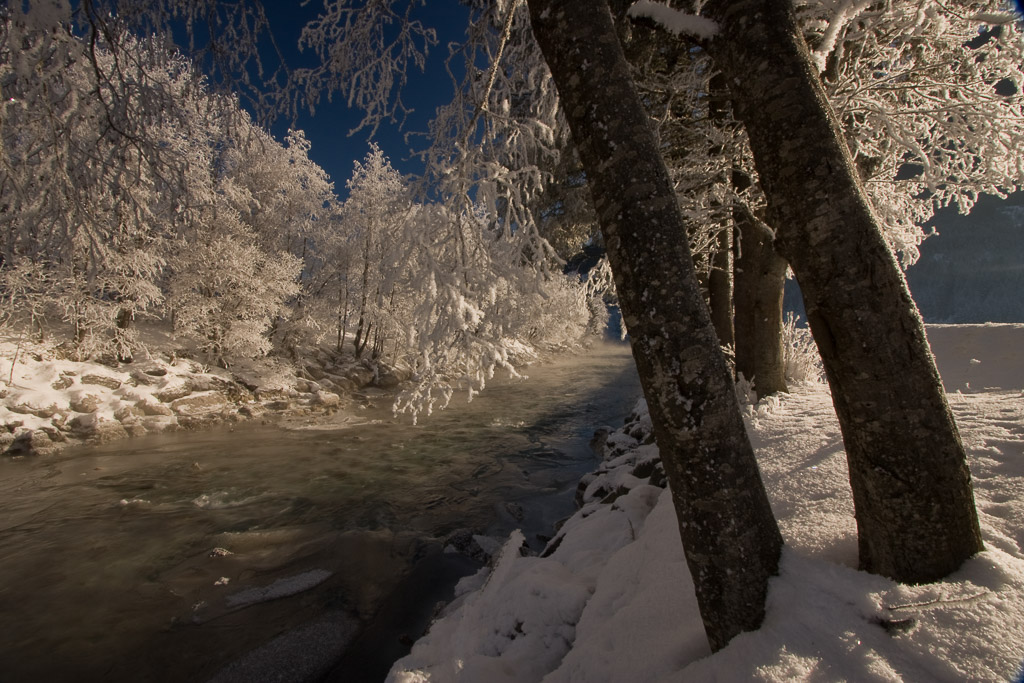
x,y
263,553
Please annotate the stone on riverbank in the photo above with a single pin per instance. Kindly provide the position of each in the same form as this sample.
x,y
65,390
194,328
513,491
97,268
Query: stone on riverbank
x,y
82,401
31,442
202,402
107,381
327,399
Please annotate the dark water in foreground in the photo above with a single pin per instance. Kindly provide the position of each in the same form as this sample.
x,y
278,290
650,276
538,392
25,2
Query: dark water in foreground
x,y
168,558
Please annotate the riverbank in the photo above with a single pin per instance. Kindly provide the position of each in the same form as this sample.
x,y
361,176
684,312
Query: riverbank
x,y
611,599
48,402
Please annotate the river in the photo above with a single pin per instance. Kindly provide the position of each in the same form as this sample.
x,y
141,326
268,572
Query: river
x,y
311,552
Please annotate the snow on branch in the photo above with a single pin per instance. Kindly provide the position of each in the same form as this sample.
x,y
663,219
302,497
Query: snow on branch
x,y
995,18
674,21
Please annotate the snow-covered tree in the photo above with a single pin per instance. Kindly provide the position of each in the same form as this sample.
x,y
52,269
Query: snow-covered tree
x,y
123,176
243,257
226,291
85,155
288,202
930,99
374,215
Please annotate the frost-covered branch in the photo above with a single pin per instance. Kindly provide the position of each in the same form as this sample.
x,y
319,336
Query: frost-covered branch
x,y
367,52
930,97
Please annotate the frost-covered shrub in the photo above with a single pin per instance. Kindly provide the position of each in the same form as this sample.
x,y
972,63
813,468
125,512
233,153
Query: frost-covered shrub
x,y
227,294
803,364
563,314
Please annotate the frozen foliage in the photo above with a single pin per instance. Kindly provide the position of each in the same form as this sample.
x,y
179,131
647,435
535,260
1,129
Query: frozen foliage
x,y
493,282
930,96
226,293
799,353
133,188
499,137
82,177
366,53
437,288
611,600
374,219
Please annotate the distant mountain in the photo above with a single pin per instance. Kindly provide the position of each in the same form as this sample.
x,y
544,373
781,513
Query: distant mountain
x,y
972,271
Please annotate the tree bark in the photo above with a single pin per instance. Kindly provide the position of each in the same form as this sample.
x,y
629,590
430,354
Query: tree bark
x,y
911,486
759,285
729,535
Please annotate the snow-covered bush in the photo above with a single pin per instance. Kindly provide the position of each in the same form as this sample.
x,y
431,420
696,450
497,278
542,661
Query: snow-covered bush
x,y
227,293
122,177
803,364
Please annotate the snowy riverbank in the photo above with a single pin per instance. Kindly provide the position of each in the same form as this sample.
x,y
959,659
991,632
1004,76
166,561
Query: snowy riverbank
x,y
48,402
611,600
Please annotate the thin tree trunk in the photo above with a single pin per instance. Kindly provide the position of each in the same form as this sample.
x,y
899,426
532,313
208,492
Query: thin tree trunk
x,y
123,321
343,319
363,333
720,288
911,486
363,329
720,280
759,286
729,535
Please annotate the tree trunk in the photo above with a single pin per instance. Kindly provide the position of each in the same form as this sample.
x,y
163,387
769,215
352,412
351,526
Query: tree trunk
x,y
729,535
721,285
911,486
758,289
720,288
364,325
363,329
343,320
123,321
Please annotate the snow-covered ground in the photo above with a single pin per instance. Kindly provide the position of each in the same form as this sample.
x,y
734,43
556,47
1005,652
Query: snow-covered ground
x,y
611,599
48,401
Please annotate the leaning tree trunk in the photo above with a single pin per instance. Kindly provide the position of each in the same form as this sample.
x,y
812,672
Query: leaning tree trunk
x,y
654,55
729,535
911,486
758,288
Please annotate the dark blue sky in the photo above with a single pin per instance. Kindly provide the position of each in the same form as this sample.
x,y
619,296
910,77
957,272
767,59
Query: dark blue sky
x,y
328,130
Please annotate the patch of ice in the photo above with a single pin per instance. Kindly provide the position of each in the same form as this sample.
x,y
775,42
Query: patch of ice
x,y
281,588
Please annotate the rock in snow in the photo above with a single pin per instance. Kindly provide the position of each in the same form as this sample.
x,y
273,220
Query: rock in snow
x,y
47,402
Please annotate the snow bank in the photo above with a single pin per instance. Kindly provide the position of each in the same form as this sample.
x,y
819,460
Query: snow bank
x,y
611,599
48,402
